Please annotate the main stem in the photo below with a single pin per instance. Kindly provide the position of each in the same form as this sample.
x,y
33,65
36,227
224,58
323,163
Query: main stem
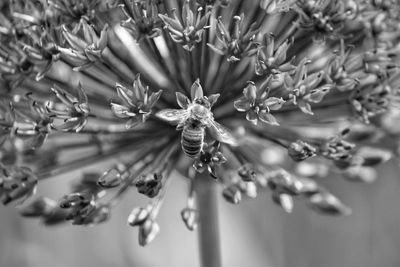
x,y
209,244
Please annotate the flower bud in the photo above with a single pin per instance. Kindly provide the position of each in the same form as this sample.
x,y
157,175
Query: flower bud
x,y
23,192
326,203
300,150
308,186
190,217
73,199
248,188
232,194
149,185
224,3
312,169
283,200
283,182
247,173
18,183
85,210
373,156
148,231
362,133
360,174
90,214
138,216
110,179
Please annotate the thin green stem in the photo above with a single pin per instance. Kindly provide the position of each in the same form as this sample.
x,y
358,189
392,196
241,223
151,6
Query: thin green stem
x,y
209,243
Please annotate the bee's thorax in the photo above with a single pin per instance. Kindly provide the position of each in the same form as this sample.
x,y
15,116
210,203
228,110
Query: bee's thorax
x,y
200,113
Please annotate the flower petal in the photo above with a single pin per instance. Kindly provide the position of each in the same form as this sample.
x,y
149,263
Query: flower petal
x,y
251,116
196,91
274,103
213,99
153,99
119,110
316,95
305,107
125,94
268,118
250,92
183,101
242,104
134,121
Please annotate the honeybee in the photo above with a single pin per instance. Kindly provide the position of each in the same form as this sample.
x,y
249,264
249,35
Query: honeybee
x,y
193,121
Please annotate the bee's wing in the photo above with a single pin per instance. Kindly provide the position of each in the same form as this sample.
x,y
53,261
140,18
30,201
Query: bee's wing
x,y
173,116
221,133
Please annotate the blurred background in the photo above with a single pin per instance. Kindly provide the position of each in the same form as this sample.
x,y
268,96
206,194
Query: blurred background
x,y
254,233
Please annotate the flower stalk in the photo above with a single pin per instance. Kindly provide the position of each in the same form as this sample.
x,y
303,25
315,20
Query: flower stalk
x,y
208,230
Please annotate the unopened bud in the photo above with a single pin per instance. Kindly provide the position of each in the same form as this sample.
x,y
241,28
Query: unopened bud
x,y
224,3
73,199
360,174
149,185
283,200
308,186
312,169
300,150
138,216
22,192
86,210
362,133
147,232
110,179
284,182
326,203
373,156
248,188
190,217
18,183
232,194
247,173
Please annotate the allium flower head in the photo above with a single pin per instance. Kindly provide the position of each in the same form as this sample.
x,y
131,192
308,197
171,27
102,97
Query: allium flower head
x,y
208,90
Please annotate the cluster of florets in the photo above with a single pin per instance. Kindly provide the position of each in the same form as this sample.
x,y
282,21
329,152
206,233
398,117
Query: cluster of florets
x,y
241,82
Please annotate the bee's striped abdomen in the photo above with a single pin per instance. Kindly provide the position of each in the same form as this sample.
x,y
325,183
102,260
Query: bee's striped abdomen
x,y
192,140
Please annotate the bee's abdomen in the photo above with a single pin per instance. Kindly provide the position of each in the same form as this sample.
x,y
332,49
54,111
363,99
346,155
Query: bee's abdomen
x,y
192,140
